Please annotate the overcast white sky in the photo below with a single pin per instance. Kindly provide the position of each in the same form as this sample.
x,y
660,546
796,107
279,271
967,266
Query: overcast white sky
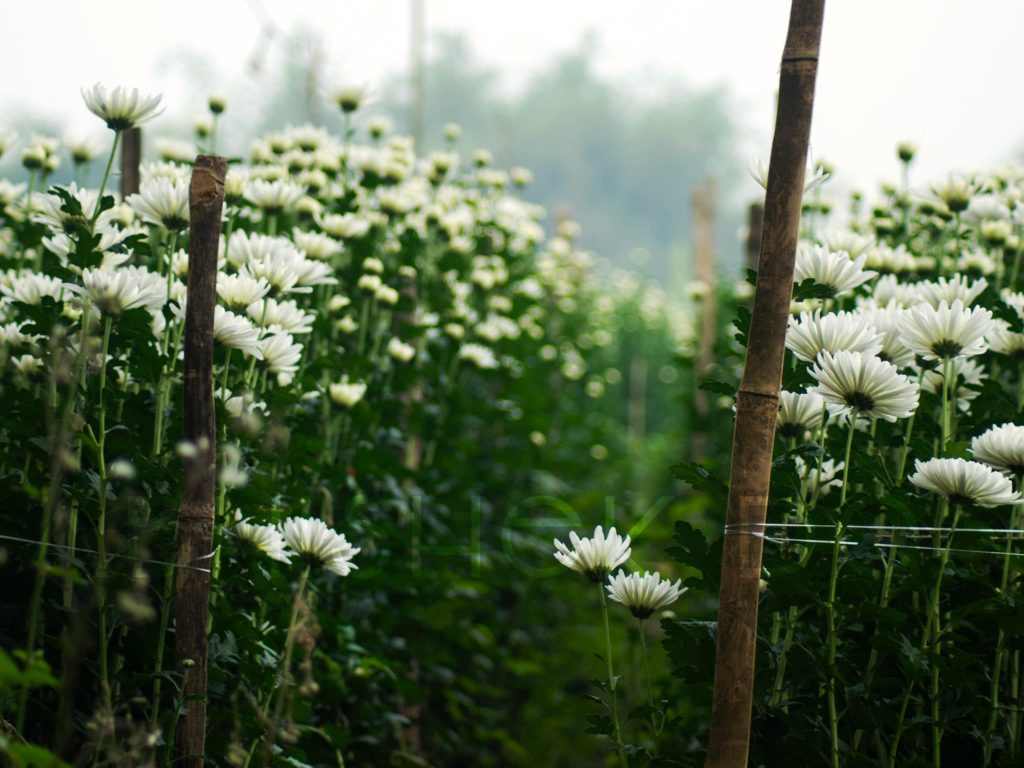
x,y
944,73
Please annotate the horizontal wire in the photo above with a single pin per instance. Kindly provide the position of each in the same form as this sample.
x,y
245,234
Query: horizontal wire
x,y
850,543
22,540
865,527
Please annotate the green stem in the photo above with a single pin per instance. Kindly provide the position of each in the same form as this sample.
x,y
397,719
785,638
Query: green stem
x,y
161,641
612,687
997,664
101,524
103,181
289,646
934,610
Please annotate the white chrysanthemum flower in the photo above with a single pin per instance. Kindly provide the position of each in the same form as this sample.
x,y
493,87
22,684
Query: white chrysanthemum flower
x,y
83,149
311,538
369,283
48,209
976,260
121,109
401,351
277,316
345,225
884,258
799,412
815,333
644,594
888,290
27,365
240,290
316,245
31,288
965,482
266,538
1001,447
965,381
864,385
386,295
116,290
815,176
950,290
1004,341
175,150
595,557
946,331
834,270
236,332
815,482
162,202
888,321
273,196
347,393
282,355
478,355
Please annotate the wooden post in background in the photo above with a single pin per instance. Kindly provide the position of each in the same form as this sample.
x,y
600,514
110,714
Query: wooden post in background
x,y
755,224
131,157
195,518
757,401
703,216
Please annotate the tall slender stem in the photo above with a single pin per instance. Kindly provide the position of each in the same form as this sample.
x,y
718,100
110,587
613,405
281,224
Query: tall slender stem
x,y
103,181
612,687
997,664
101,523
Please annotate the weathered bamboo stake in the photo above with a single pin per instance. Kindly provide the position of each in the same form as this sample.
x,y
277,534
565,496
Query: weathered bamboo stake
x,y
131,156
757,399
755,225
195,518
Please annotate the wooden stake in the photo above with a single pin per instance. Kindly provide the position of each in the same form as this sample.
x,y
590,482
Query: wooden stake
x,y
755,224
757,399
703,216
195,518
131,156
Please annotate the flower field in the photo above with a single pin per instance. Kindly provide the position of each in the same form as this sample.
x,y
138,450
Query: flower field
x,y
334,451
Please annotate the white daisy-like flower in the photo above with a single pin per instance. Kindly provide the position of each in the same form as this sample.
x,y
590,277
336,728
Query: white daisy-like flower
x,y
595,557
1004,341
888,290
888,321
965,381
311,538
818,483
266,538
282,355
884,258
815,333
31,287
644,593
946,331
121,108
369,283
273,196
951,289
175,151
856,384
799,412
834,270
478,355
48,209
815,176
241,289
163,202
345,225
316,245
236,332
1001,447
116,290
347,393
965,482
401,351
275,260
277,316
83,149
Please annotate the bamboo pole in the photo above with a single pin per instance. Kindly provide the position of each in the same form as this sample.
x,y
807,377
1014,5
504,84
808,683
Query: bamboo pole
x,y
131,157
195,518
757,399
755,224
